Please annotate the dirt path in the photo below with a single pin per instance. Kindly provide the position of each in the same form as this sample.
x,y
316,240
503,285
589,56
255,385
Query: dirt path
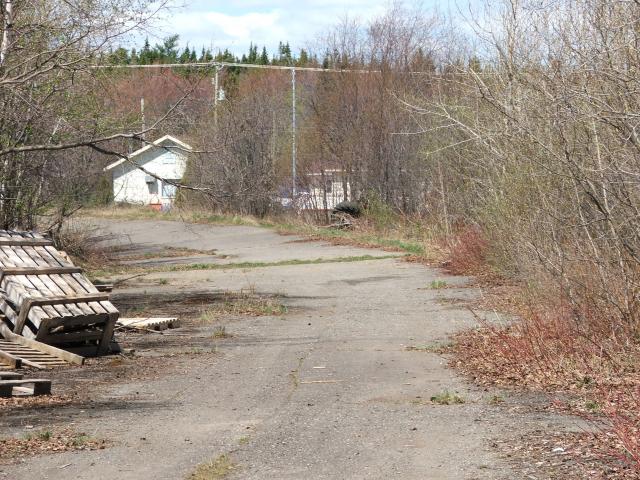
x,y
328,390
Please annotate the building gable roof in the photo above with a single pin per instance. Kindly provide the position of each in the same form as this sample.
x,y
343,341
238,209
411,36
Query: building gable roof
x,y
161,142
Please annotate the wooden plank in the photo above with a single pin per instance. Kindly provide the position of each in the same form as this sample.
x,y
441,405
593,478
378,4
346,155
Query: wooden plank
x,y
16,288
70,286
76,281
31,302
84,320
40,386
38,271
63,337
155,323
8,359
43,347
44,283
30,242
11,376
69,282
104,287
109,328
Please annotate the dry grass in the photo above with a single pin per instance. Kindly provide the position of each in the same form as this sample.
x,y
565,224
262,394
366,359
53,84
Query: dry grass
x,y
402,235
243,303
124,212
216,469
82,245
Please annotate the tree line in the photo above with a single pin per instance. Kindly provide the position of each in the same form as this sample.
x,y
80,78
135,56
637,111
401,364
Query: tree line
x,y
169,52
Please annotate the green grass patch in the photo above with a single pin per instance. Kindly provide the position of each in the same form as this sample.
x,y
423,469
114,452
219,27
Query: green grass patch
x,y
99,274
438,284
592,406
352,237
447,398
281,263
436,347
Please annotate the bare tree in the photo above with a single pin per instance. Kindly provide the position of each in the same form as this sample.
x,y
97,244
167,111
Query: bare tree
x,y
47,90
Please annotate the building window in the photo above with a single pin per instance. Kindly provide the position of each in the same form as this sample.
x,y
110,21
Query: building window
x,y
328,186
169,190
153,186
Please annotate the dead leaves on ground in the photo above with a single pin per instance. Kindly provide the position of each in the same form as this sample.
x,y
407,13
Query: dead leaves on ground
x,y
39,442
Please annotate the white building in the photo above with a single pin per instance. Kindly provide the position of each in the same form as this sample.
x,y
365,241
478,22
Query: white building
x,y
145,177
325,190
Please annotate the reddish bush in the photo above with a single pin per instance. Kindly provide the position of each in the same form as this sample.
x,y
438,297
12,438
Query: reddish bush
x,y
468,249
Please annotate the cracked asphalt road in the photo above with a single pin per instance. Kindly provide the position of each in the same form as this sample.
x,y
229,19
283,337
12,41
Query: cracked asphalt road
x,y
329,390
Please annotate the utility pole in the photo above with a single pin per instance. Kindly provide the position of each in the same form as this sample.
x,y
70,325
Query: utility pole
x,y
215,99
144,126
293,133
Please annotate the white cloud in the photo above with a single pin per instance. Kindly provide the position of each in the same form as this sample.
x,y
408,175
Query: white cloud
x,y
222,30
238,23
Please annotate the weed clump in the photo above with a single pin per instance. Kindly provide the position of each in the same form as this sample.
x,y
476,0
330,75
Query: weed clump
x,y
447,398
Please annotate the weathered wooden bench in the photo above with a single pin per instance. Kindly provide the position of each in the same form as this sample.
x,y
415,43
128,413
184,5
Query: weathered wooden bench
x,y
40,387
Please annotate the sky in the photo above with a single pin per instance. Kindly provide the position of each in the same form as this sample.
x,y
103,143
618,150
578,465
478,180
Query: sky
x,y
233,24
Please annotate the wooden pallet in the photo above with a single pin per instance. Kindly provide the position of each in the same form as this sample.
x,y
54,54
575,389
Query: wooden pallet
x,y
44,297
149,323
38,386
17,351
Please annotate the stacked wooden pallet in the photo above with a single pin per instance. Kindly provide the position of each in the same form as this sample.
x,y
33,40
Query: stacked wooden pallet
x,y
43,296
13,384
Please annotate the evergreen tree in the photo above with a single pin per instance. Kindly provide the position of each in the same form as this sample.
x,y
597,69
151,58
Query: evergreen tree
x,y
253,54
286,51
146,56
186,55
119,57
264,57
168,51
303,59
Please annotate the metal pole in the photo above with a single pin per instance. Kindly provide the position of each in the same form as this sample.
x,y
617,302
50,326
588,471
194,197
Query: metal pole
x,y
144,126
293,133
215,100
